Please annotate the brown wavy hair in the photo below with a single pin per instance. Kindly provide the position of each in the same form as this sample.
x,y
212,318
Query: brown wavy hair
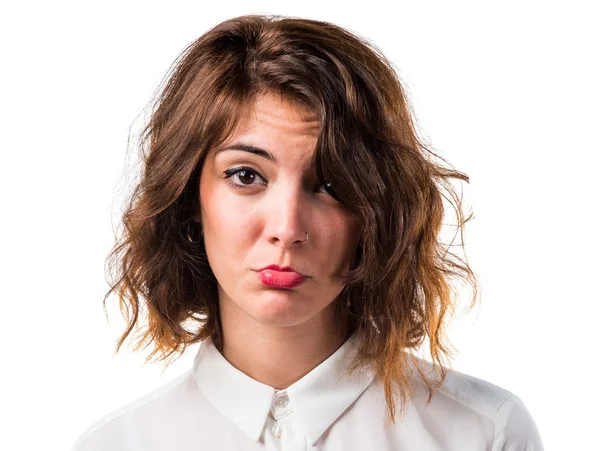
x,y
399,290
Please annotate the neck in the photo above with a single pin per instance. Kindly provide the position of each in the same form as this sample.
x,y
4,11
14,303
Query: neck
x,y
278,356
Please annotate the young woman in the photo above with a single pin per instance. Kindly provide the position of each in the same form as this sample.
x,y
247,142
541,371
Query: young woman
x,y
288,220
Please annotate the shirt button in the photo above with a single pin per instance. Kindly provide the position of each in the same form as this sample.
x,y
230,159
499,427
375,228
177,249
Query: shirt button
x,y
276,431
282,401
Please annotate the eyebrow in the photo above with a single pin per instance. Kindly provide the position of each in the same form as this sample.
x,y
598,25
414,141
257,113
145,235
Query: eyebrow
x,y
248,148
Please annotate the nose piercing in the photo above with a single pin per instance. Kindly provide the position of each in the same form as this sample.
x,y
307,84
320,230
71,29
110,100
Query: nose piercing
x,y
306,239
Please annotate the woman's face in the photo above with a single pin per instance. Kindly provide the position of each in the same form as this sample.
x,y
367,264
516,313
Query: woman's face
x,y
255,210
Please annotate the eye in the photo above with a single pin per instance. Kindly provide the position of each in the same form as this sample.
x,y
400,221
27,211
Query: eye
x,y
245,177
327,186
243,174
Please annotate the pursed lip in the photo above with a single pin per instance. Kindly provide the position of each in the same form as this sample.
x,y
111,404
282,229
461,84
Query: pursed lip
x,y
280,277
282,269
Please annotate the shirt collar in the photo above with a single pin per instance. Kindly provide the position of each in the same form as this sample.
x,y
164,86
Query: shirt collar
x,y
241,399
320,397
326,392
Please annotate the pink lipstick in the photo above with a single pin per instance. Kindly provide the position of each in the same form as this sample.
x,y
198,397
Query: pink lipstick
x,y
274,276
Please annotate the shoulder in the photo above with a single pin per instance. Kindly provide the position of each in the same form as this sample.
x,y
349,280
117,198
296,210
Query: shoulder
x,y
114,429
497,411
515,428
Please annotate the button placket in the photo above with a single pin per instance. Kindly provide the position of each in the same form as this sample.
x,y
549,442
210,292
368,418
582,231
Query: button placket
x,y
281,412
276,431
282,401
281,407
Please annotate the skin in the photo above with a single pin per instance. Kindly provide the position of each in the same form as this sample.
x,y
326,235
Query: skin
x,y
275,335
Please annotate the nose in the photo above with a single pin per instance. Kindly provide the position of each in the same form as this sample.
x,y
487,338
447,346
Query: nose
x,y
286,218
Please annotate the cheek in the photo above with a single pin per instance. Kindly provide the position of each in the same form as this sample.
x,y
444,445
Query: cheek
x,y
351,228
229,222
220,212
343,239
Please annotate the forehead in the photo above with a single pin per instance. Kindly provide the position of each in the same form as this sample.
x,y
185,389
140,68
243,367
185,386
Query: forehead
x,y
272,127
279,117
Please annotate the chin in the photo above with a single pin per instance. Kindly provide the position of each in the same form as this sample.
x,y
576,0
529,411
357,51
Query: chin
x,y
281,308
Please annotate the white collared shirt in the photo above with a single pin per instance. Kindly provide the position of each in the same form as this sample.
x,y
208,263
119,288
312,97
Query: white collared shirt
x,y
214,407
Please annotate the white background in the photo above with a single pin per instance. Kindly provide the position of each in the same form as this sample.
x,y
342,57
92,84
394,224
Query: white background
x,y
508,92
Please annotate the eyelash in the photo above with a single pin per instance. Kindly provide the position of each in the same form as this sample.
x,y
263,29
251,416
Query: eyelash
x,y
234,171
